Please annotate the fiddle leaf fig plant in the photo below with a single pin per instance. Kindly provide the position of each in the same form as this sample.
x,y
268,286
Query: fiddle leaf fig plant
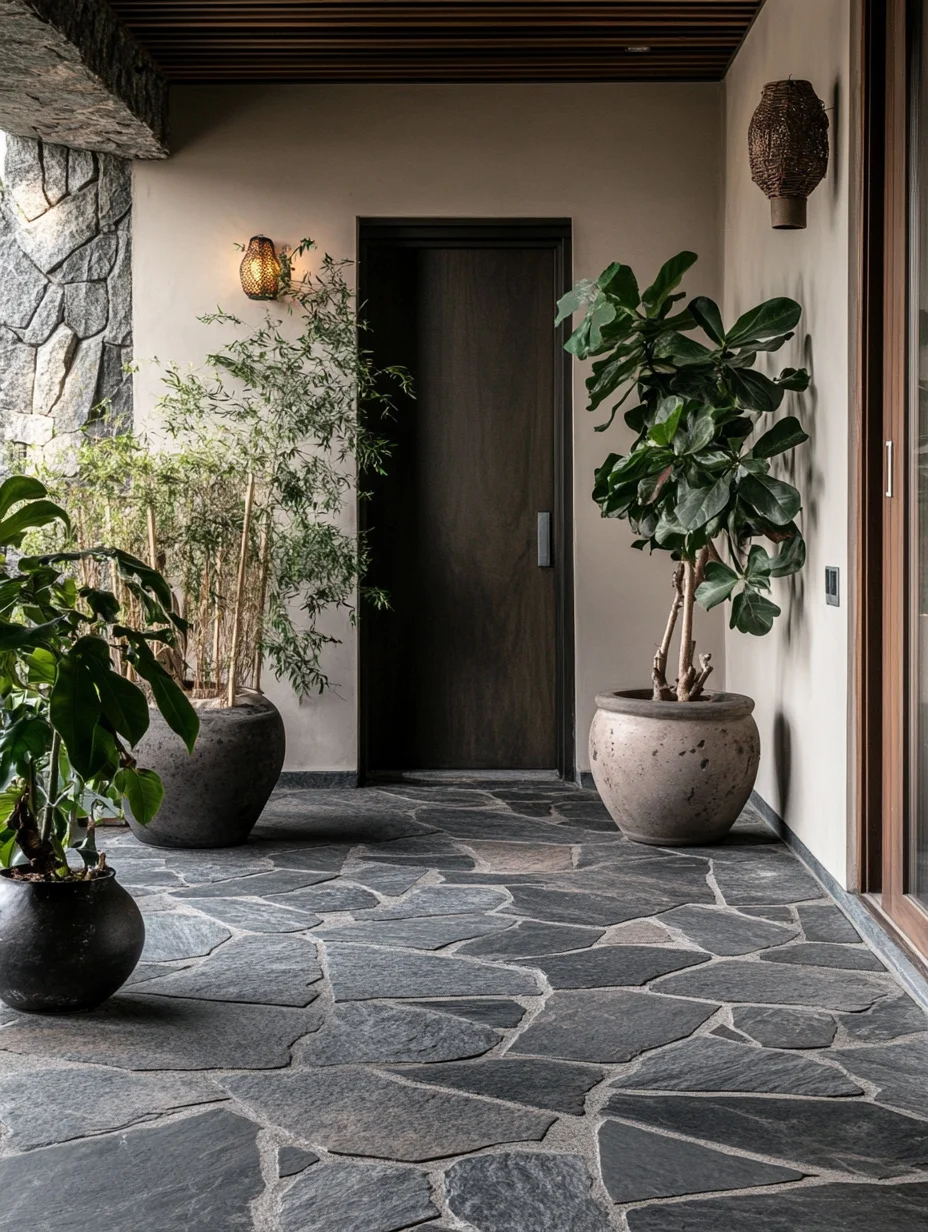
x,y
71,705
697,480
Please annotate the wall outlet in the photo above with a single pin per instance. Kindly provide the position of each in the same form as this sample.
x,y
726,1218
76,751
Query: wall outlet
x,y
833,585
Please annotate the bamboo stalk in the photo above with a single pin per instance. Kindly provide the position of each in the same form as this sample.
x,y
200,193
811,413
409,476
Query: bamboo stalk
x,y
240,589
217,626
262,598
152,540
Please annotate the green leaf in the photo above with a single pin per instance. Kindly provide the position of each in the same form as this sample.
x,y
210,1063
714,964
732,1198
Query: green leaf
x,y
103,603
150,578
773,499
37,513
703,504
706,314
666,420
74,709
720,582
123,703
19,488
699,432
41,666
170,699
796,379
785,434
681,350
753,613
18,637
144,791
574,300
667,280
774,316
619,282
790,558
753,390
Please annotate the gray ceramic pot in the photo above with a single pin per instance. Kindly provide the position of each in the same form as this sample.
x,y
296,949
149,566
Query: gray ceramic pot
x,y
674,774
214,796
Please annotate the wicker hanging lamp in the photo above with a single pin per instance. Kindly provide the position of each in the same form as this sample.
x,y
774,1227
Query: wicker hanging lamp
x,y
260,269
788,145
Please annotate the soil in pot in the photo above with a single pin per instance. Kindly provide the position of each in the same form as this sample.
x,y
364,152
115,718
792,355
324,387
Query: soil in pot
x,y
66,945
674,774
214,796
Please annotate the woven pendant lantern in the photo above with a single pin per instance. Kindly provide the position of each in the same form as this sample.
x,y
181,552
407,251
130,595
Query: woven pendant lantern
x,y
788,145
260,269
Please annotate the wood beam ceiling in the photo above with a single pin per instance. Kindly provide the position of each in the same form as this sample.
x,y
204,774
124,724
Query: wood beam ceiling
x,y
460,40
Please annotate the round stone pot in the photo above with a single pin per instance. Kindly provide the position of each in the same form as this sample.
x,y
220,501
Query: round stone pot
x,y
214,796
66,945
674,774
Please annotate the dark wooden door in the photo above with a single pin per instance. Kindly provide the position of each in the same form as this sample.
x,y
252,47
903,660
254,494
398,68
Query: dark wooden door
x,y
461,672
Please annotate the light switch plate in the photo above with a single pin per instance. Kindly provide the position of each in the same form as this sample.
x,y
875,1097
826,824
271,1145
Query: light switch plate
x,y
833,585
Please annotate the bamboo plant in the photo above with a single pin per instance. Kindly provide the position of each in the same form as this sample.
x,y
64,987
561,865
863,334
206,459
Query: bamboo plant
x,y
696,481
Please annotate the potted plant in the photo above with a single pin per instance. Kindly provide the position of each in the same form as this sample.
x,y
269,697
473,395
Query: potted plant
x,y
71,712
675,763
244,512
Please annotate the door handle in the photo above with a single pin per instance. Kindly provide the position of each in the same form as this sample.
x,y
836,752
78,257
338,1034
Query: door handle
x,y
889,468
544,541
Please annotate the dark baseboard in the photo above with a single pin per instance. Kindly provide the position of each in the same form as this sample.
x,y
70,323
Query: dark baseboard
x,y
585,780
854,907
318,778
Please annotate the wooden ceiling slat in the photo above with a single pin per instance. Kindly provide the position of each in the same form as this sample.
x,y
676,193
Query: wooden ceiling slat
x,y
472,40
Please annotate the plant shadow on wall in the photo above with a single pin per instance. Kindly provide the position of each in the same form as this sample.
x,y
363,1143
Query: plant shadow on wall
x,y
244,511
697,484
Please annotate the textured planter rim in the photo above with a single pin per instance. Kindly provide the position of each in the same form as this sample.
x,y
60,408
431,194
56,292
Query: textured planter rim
x,y
714,707
108,873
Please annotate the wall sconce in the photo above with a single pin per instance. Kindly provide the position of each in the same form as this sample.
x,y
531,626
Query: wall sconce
x,y
788,146
260,269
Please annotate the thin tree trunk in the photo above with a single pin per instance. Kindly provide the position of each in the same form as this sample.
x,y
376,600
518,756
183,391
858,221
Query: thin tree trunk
x,y
662,690
240,590
686,673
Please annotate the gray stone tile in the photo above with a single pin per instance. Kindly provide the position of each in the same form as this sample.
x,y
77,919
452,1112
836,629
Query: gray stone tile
x,y
488,1010
525,1192
705,1064
325,899
899,1071
886,1021
357,1112
639,932
725,932
146,873
761,983
326,859
781,915
816,1208
439,900
139,1032
356,1198
504,857
529,938
359,973
170,936
611,965
782,1028
575,907
608,1027
389,879
255,917
766,876
260,885
637,1165
825,922
846,1135
465,824
419,933
559,1086
197,867
140,1179
293,1159
265,970
825,954
727,1033
153,971
359,1032
42,1107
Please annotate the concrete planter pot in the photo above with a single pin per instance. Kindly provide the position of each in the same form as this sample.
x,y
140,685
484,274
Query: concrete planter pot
x,y
214,796
674,774
66,945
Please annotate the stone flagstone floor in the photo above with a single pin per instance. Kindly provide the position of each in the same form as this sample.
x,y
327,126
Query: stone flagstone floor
x,y
473,1007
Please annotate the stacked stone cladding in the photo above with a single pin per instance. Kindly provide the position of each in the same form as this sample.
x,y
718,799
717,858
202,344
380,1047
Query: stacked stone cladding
x,y
66,302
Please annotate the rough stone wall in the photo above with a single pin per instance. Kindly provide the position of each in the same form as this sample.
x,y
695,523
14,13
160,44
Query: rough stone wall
x,y
66,303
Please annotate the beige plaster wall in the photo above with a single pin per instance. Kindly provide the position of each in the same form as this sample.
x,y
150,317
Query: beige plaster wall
x,y
637,168
799,673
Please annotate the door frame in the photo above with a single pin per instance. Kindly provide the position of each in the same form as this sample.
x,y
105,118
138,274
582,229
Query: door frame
x,y
554,234
881,524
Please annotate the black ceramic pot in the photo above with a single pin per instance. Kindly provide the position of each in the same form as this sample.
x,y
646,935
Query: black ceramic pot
x,y
213,796
66,945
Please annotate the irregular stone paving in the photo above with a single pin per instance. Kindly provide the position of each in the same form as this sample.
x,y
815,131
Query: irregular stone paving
x,y
473,1007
